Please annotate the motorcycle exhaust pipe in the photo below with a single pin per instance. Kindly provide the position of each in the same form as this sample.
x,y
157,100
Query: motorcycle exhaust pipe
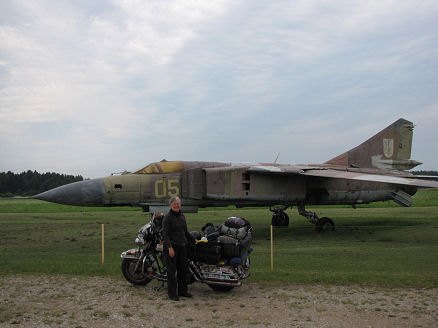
x,y
224,283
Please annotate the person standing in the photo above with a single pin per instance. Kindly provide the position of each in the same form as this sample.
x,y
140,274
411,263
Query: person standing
x,y
175,239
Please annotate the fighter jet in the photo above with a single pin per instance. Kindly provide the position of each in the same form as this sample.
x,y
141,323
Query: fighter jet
x,y
376,170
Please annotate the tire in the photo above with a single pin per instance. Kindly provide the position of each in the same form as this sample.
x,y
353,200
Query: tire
x,y
221,288
325,225
280,219
136,278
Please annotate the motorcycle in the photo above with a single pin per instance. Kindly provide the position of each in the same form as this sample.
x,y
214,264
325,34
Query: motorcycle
x,y
220,259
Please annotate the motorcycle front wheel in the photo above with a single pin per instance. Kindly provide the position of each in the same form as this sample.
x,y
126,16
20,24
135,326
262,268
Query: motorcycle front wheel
x,y
136,278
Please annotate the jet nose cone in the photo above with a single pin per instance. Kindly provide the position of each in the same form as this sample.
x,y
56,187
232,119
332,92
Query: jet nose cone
x,y
82,193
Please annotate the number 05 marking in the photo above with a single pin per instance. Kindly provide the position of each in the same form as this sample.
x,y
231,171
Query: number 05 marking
x,y
165,188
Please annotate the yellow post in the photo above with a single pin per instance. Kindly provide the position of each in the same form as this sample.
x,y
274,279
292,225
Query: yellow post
x,y
272,249
103,244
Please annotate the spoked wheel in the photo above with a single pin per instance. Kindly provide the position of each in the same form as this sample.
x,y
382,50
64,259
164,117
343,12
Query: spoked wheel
x,y
220,288
280,219
324,224
134,277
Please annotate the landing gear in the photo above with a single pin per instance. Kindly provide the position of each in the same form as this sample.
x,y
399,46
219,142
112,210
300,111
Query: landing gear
x,y
324,224
279,218
321,224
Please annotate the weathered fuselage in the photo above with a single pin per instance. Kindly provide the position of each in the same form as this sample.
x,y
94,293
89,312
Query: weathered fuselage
x,y
373,171
217,184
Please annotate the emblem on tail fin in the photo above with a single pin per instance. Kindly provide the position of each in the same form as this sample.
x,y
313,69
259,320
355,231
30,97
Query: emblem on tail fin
x,y
388,147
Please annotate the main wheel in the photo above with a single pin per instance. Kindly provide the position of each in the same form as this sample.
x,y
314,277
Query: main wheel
x,y
324,224
280,219
220,288
134,277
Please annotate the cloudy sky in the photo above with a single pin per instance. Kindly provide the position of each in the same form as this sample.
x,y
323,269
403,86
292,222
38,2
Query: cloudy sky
x,y
95,87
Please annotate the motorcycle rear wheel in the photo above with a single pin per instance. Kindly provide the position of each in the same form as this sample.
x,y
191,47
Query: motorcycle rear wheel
x,y
136,278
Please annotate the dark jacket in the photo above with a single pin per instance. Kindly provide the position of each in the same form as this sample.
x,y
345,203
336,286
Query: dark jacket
x,y
175,230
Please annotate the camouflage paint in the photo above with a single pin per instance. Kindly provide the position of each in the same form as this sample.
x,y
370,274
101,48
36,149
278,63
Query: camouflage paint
x,y
370,172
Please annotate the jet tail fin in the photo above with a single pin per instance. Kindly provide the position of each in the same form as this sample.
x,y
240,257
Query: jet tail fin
x,y
390,149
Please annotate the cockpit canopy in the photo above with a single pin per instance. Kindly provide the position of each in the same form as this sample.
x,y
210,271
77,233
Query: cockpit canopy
x,y
177,166
162,167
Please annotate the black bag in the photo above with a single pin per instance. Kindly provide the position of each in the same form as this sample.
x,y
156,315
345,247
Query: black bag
x,y
233,247
230,246
205,252
211,232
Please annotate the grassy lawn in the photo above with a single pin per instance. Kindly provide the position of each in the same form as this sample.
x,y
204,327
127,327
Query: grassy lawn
x,y
372,245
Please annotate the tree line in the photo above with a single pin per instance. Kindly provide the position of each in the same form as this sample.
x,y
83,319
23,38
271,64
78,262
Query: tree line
x,y
435,173
31,182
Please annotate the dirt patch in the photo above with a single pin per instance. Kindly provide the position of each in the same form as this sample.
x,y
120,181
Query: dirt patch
x,y
105,302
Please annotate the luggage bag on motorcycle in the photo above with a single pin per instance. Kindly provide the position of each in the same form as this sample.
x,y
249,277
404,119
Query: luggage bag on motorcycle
x,y
211,232
205,252
237,233
233,247
237,222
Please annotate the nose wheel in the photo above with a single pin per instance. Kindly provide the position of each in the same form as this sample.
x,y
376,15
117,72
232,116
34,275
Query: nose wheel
x,y
279,218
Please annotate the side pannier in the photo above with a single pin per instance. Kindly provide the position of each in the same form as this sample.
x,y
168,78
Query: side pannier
x,y
233,247
206,252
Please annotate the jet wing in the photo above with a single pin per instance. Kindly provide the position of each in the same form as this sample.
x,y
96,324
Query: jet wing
x,y
321,172
330,173
280,169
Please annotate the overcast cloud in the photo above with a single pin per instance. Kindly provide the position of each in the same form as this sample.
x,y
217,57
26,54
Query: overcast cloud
x,y
94,87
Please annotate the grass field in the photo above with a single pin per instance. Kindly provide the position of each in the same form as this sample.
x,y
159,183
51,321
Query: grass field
x,y
372,245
